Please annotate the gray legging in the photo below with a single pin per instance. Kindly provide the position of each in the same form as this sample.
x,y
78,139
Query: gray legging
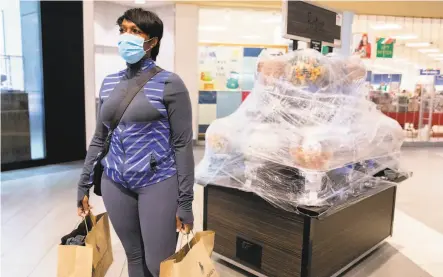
x,y
144,220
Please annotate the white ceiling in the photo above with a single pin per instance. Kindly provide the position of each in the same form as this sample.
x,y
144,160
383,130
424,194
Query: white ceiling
x,y
139,3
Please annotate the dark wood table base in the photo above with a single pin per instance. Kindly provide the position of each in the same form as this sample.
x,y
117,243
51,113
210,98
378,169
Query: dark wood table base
x,y
267,241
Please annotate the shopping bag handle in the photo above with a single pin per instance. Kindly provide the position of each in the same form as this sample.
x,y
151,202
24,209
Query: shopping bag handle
x,y
187,238
86,224
93,218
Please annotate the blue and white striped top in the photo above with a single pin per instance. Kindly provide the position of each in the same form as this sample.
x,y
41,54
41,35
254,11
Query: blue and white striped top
x,y
153,141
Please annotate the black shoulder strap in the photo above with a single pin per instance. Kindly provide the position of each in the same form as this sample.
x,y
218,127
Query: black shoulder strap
x,y
131,93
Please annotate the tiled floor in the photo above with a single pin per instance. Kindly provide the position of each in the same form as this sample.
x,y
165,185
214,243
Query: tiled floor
x,y
38,207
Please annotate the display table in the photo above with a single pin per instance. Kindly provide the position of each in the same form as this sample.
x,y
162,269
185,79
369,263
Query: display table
x,y
267,241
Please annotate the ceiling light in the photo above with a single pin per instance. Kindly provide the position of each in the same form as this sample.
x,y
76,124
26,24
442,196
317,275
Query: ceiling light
x,y
251,37
227,15
429,50
417,44
140,1
386,27
404,37
403,60
274,19
212,28
209,41
436,55
439,59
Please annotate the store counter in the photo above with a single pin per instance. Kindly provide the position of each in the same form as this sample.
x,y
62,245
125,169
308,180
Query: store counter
x,y
254,235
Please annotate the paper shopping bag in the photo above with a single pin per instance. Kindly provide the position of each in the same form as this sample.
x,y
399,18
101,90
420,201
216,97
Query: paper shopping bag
x,y
192,260
91,260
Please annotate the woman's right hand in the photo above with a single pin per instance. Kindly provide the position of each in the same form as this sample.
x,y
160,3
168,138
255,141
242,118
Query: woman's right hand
x,y
84,209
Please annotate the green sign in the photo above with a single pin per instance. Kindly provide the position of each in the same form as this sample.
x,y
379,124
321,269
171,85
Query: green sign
x,y
325,50
385,47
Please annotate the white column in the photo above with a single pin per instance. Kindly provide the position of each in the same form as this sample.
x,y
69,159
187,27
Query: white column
x,y
89,68
166,56
186,53
346,33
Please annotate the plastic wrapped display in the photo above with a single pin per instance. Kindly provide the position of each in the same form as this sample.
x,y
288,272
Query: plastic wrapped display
x,y
306,135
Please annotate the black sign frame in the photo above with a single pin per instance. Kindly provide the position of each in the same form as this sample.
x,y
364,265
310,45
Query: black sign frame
x,y
316,45
320,24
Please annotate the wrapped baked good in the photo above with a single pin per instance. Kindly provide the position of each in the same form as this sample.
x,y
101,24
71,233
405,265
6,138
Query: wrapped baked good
x,y
263,140
220,136
306,134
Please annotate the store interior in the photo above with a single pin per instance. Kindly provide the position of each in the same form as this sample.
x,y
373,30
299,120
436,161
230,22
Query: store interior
x,y
394,82
313,201
406,84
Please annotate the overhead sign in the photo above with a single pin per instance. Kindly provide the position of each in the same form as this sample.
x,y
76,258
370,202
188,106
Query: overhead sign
x,y
439,80
433,72
305,21
385,47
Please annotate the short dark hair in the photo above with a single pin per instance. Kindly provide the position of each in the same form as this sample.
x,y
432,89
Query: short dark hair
x,y
148,22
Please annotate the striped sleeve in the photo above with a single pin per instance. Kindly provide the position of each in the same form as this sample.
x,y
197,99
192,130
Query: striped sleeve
x,y
95,147
178,106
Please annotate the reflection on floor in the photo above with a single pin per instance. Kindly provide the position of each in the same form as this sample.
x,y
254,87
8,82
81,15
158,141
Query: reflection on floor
x,y
38,207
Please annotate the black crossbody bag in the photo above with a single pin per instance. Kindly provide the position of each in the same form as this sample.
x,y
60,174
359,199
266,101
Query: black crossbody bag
x,y
132,91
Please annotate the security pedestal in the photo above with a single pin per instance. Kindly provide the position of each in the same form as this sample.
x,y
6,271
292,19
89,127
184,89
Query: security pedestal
x,y
267,241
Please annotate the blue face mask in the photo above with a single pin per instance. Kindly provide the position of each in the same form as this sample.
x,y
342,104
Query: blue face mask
x,y
130,47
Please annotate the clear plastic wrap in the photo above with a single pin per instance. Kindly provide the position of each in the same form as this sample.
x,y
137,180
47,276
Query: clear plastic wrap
x,y
306,134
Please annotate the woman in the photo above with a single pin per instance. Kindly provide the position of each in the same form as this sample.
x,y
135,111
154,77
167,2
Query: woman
x,y
148,179
364,48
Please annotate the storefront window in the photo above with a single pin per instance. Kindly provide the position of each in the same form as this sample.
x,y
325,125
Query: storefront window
x,y
22,110
404,80
419,110
420,113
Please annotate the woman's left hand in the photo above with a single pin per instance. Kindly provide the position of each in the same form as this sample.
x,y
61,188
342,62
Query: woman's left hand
x,y
184,228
